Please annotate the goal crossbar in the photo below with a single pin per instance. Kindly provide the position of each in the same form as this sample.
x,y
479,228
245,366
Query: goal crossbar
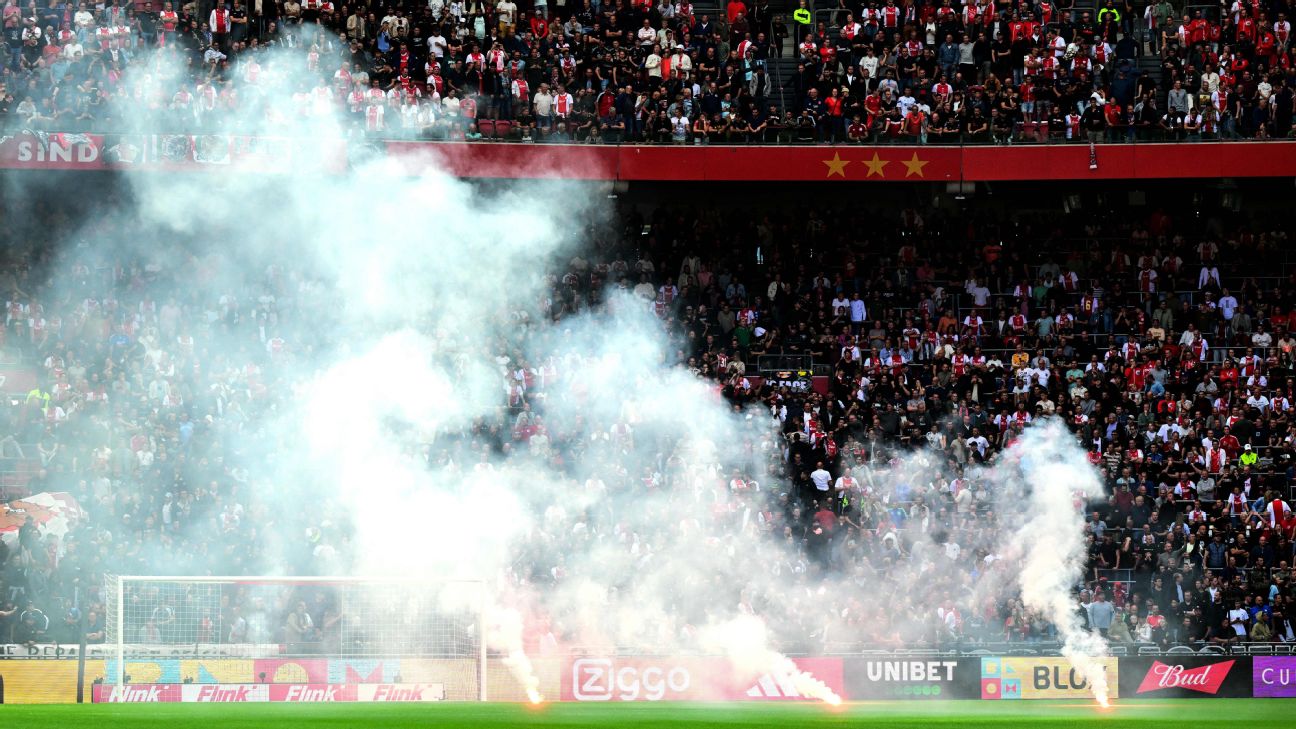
x,y
387,592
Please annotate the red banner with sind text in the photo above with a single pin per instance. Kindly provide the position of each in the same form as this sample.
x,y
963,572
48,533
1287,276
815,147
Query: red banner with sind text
x,y
32,150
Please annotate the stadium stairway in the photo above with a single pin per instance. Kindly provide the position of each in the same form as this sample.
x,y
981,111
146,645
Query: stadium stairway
x,y
712,8
1150,65
782,69
779,70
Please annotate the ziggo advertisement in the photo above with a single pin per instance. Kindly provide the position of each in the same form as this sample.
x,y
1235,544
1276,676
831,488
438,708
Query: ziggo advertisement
x,y
619,678
688,679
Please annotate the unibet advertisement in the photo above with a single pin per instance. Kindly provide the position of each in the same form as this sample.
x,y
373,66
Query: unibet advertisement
x,y
1006,678
886,677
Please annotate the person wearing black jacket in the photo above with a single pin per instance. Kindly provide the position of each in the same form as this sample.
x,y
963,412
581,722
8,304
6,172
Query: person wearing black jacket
x,y
709,101
1094,122
13,42
800,83
814,106
1282,103
625,102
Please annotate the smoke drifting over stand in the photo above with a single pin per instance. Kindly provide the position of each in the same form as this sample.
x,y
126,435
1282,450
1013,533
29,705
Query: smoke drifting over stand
x,y
1044,484
418,389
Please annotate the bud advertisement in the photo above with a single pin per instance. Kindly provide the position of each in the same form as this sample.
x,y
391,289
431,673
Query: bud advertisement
x,y
1014,677
1189,677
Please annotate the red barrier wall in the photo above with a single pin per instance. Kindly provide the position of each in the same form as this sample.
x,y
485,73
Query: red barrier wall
x,y
854,163
153,152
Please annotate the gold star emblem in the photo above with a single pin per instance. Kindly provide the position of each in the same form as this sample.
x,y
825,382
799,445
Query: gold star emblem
x,y
836,165
913,166
876,166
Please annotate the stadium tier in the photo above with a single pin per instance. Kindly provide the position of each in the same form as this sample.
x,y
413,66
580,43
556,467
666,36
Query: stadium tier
x,y
1162,340
669,72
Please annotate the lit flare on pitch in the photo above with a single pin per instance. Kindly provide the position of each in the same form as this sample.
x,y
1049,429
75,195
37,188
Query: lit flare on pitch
x,y
520,666
806,684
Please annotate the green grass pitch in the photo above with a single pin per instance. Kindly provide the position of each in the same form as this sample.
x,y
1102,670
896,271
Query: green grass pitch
x,y
1127,713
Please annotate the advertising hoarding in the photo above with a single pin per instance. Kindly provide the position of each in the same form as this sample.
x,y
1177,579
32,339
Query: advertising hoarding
x,y
592,678
1187,677
1023,677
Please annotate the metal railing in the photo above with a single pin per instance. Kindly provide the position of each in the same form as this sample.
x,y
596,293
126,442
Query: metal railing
x,y
784,362
956,648
790,135
779,132
16,473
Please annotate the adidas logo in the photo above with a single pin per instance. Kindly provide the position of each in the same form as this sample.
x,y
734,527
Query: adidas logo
x,y
769,686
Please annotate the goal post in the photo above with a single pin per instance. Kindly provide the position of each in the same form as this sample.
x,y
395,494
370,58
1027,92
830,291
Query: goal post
x,y
184,629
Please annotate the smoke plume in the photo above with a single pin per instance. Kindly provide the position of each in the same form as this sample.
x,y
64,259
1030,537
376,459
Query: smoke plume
x,y
1047,481
418,387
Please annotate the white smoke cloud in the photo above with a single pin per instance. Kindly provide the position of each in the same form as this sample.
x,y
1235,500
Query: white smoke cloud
x,y
1044,484
745,640
408,307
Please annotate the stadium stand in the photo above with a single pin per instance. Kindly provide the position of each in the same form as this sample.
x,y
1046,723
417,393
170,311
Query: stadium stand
x,y
670,71
1165,342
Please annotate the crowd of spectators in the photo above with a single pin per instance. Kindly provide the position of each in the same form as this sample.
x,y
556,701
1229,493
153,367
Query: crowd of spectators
x,y
1178,378
1006,72
657,71
1165,343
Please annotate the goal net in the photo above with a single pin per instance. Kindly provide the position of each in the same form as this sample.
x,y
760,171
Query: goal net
x,y
382,636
